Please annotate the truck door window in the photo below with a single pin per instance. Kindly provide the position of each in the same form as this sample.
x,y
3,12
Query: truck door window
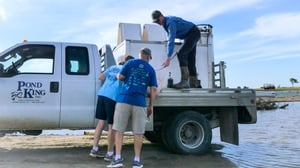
x,y
77,60
37,66
28,59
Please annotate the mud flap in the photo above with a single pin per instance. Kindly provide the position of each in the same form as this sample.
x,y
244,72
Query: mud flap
x,y
229,130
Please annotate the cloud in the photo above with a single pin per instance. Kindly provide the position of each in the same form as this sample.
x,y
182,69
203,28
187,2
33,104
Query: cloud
x,y
212,8
277,26
200,10
2,13
272,37
9,9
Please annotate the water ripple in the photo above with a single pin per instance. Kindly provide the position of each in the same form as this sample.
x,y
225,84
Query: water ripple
x,y
274,141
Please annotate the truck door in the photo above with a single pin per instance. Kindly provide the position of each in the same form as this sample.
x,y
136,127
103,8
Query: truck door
x,y
78,87
29,79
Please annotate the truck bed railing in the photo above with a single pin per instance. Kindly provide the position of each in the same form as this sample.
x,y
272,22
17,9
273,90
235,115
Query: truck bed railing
x,y
218,72
106,57
205,91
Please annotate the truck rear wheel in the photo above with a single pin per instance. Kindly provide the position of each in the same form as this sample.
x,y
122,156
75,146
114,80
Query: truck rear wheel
x,y
188,133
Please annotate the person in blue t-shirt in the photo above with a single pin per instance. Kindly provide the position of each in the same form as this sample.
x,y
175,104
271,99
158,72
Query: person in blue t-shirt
x,y
137,76
177,27
107,95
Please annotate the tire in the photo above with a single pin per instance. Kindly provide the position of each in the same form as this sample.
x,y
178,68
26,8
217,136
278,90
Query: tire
x,y
188,133
153,137
164,135
32,132
2,134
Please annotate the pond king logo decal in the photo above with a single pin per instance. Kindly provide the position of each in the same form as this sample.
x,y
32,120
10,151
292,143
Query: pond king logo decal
x,y
28,92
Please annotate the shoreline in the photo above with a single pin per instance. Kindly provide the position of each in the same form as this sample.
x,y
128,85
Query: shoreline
x,y
270,103
277,99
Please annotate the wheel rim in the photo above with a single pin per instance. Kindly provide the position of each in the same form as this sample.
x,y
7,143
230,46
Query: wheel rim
x,y
191,134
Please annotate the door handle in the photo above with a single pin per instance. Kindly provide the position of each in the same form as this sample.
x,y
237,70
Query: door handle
x,y
54,87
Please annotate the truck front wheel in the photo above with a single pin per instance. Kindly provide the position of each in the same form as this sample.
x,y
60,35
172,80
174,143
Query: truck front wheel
x,y
2,134
188,133
32,132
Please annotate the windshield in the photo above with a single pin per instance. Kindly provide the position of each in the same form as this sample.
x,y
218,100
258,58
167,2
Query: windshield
x,y
8,59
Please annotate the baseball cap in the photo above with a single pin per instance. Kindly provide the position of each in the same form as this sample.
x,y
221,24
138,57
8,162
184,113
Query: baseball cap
x,y
146,51
155,16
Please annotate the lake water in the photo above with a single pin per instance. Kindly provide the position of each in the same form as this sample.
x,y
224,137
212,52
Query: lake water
x,y
274,141
288,93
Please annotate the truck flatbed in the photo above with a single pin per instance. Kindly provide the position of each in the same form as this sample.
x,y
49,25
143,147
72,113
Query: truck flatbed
x,y
204,97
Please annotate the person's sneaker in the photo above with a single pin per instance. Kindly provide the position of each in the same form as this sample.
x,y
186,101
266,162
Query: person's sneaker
x,y
137,164
115,163
108,158
97,154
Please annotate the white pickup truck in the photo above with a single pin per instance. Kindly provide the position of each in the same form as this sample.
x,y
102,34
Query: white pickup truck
x,y
53,85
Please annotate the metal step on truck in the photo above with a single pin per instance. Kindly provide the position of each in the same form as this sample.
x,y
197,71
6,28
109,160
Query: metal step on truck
x,y
53,85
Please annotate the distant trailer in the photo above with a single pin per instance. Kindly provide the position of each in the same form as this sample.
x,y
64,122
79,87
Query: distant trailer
x,y
268,86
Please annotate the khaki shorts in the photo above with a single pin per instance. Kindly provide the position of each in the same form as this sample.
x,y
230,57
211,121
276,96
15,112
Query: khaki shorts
x,y
123,113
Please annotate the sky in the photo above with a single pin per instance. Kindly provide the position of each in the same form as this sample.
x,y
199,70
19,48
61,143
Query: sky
x,y
259,40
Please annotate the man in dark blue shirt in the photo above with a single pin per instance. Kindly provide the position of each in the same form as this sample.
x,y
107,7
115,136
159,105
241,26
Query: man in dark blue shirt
x,y
179,28
137,75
